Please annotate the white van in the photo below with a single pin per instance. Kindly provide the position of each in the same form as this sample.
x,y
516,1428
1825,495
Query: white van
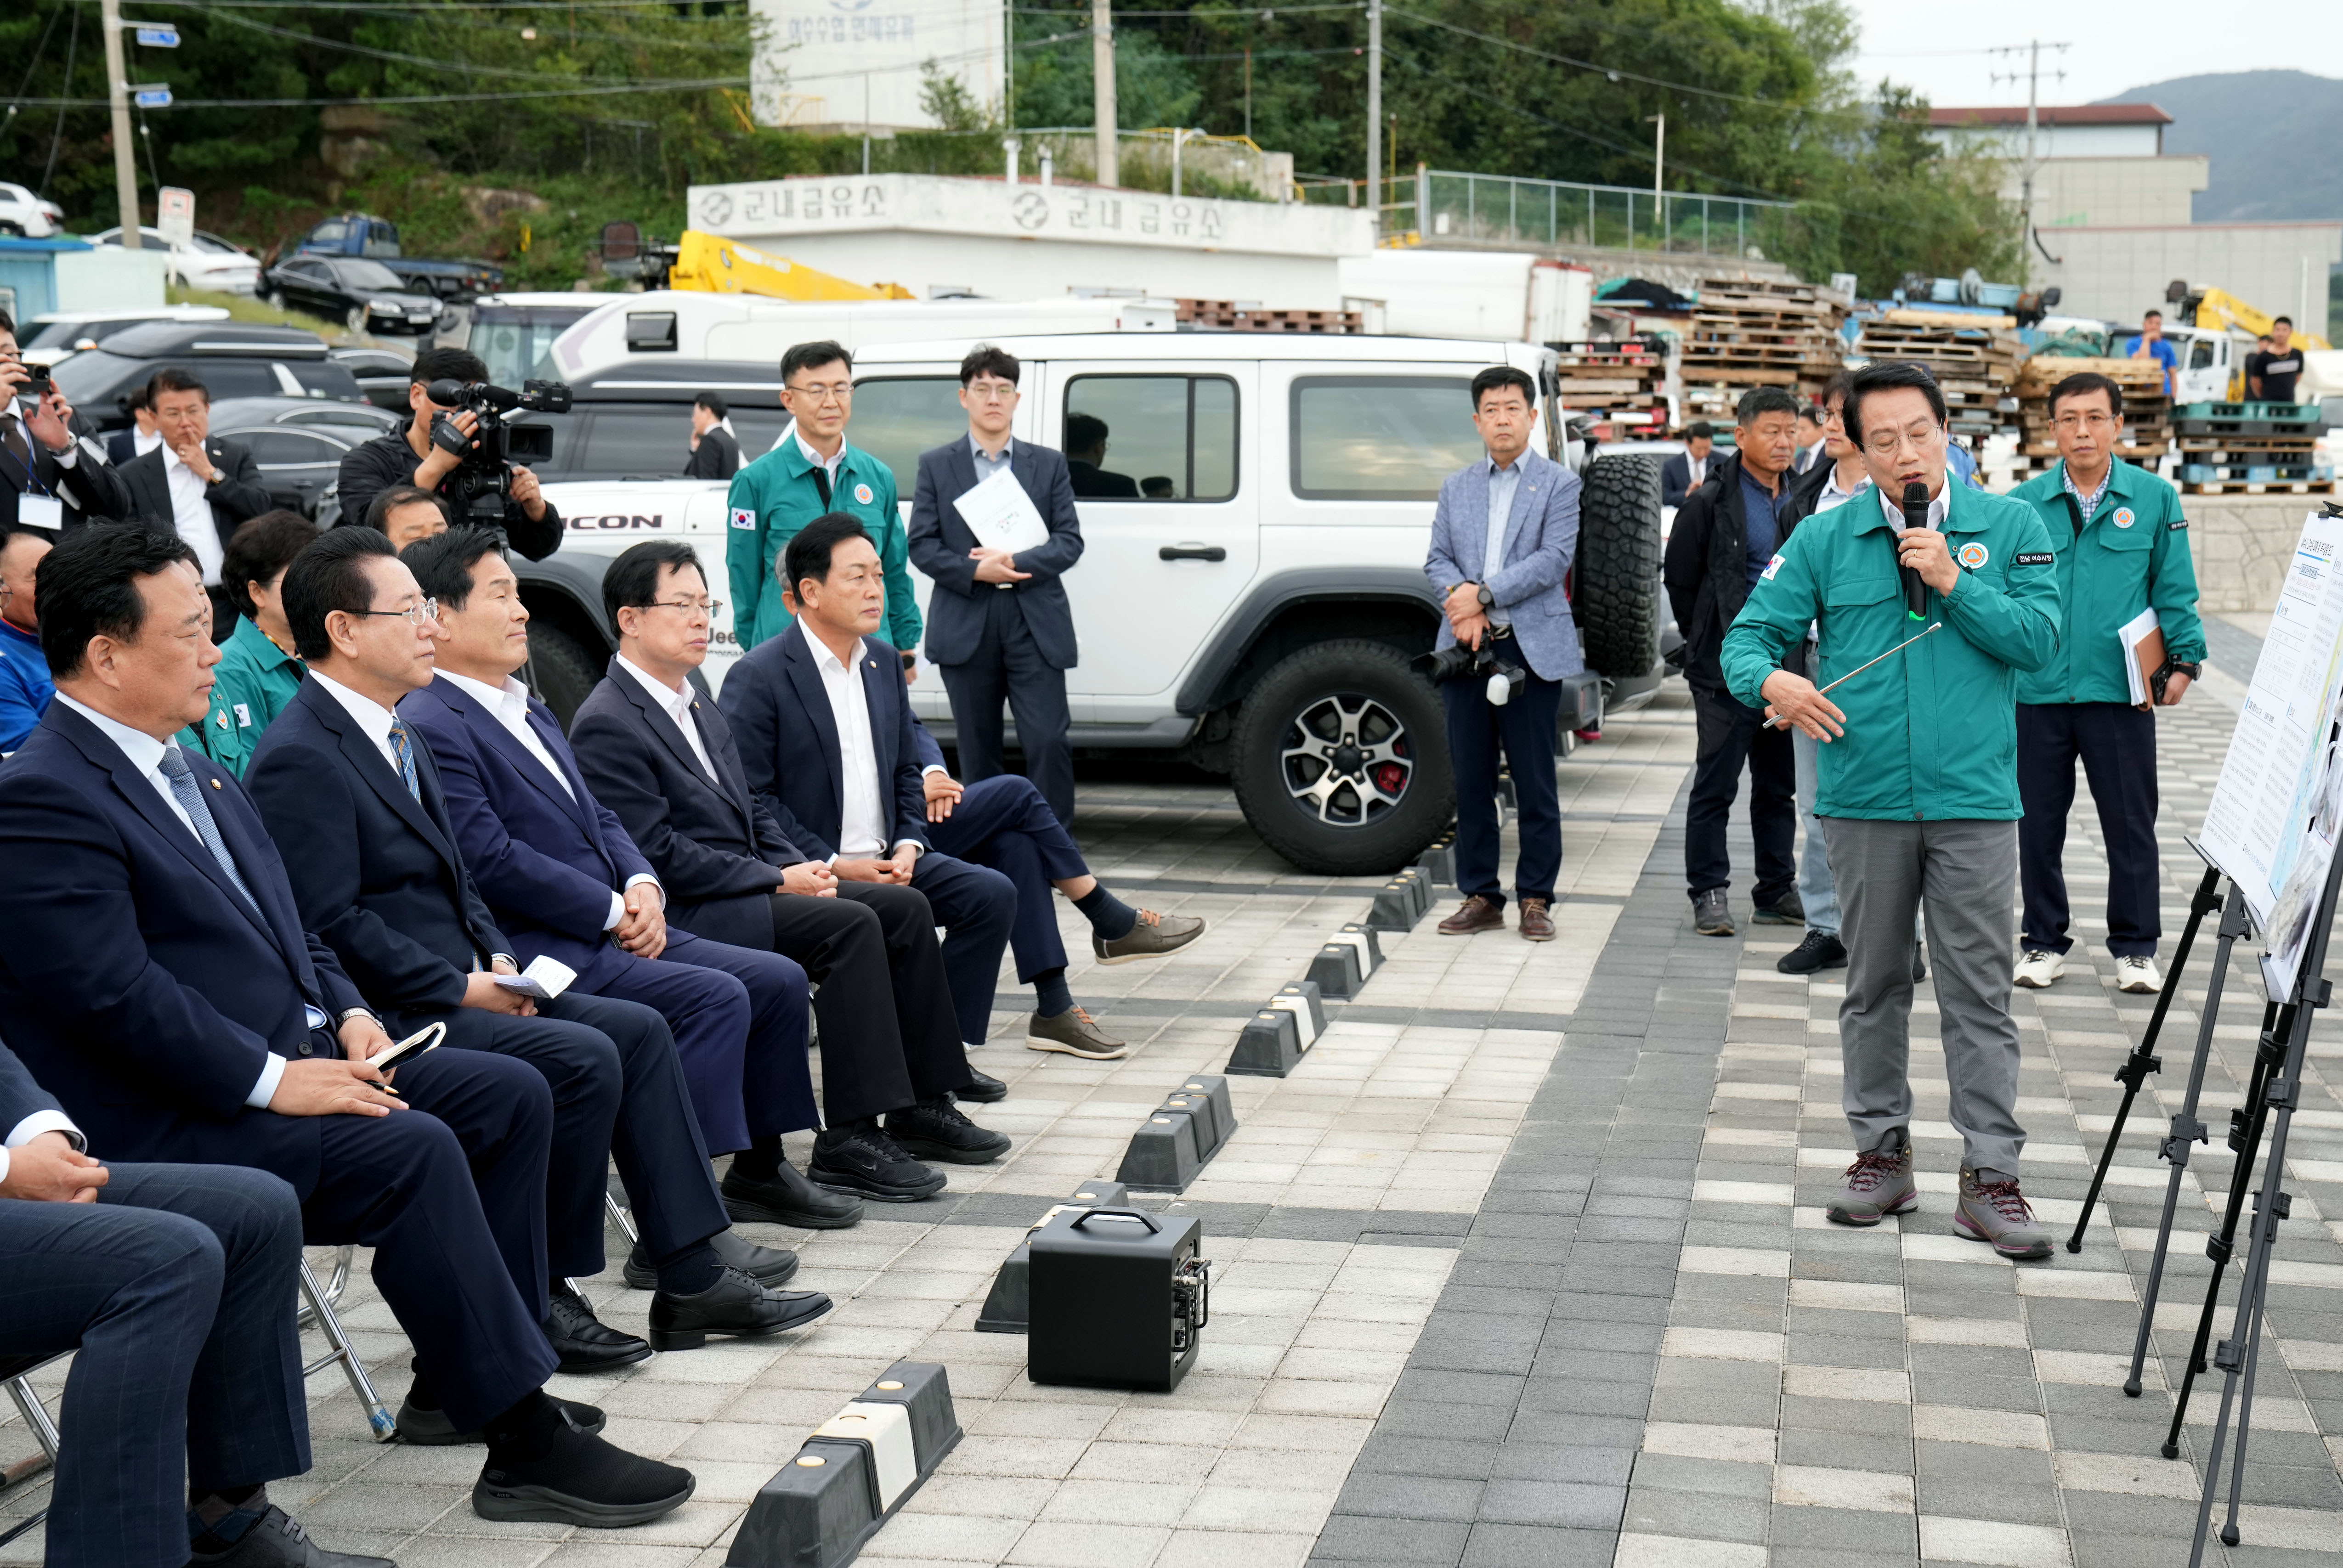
x,y
1260,598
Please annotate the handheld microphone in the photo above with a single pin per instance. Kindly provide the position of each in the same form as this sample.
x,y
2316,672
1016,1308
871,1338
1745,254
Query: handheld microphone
x,y
1915,516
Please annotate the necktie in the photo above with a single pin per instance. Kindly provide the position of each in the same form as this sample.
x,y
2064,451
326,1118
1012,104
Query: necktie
x,y
11,437
190,797
402,747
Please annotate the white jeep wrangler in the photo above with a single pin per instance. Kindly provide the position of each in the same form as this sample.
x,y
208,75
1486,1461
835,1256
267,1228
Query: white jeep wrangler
x,y
1254,609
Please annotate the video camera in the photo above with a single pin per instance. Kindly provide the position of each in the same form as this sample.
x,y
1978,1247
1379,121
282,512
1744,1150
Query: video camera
x,y
1457,662
482,481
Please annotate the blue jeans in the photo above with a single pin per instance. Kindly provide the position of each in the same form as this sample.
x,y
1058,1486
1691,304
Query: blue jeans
x,y
1816,891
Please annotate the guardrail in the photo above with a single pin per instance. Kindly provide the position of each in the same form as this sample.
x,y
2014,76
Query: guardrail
x,y
1450,207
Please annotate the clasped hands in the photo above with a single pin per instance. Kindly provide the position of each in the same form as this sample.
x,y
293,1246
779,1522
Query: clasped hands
x,y
1467,618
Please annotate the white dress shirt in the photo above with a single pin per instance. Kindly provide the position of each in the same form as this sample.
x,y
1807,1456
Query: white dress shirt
x,y
508,706
374,720
863,819
145,754
1936,508
36,1124
1832,495
827,465
191,514
678,707
145,441
1696,470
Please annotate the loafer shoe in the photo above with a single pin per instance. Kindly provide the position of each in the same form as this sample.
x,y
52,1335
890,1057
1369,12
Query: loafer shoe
x,y
276,1541
1788,910
1711,915
980,1090
734,1304
1879,1183
1151,938
1820,950
1478,912
2038,969
432,1429
581,1479
865,1160
786,1198
1536,920
584,1342
936,1130
1074,1033
1991,1209
765,1265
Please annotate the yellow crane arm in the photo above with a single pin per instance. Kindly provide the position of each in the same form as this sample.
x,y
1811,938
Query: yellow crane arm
x,y
2219,310
709,264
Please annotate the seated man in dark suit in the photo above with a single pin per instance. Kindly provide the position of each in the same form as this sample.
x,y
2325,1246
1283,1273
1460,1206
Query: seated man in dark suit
x,y
195,487
377,876
567,880
158,982
661,758
175,1283
1003,822
1085,451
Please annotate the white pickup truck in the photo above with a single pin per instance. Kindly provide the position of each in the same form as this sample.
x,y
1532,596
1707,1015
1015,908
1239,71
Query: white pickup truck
x,y
1256,609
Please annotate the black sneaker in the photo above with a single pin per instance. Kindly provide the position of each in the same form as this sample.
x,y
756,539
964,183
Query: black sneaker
x,y
428,1426
1787,910
581,1479
1820,950
936,1130
1711,916
981,1089
583,1342
863,1159
786,1198
765,1265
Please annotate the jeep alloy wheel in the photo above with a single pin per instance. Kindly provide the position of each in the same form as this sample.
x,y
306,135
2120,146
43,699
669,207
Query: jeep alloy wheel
x,y
1341,759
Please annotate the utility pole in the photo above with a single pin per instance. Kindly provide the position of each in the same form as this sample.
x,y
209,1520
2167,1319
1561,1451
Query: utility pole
x,y
1109,171
117,97
1660,178
2033,51
1376,110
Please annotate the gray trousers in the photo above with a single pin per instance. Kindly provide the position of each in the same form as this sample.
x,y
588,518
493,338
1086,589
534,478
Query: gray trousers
x,y
1966,874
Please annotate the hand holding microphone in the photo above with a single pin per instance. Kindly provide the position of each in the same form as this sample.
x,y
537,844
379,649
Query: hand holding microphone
x,y
1915,516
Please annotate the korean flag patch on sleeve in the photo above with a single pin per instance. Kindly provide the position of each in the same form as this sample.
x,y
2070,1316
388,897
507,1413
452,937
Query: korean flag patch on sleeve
x,y
1771,567
744,518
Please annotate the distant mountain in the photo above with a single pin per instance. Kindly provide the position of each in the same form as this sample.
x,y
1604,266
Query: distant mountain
x,y
2272,136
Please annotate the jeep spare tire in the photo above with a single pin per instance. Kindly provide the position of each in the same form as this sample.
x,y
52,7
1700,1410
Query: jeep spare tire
x,y
1341,759
1617,577
559,671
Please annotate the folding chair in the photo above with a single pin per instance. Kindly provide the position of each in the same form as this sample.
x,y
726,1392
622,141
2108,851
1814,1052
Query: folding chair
x,y
17,1373
319,1311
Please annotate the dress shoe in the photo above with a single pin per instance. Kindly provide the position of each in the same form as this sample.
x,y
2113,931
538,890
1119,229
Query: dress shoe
x,y
734,1304
579,1479
935,1130
274,1540
430,1428
765,1265
1151,937
981,1089
862,1159
786,1198
1536,922
1075,1033
1478,912
583,1342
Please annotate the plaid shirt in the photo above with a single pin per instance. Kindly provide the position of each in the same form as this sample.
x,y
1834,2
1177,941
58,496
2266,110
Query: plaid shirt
x,y
2089,503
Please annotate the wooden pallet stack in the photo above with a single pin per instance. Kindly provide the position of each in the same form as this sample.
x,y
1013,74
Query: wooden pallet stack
x,y
1748,333
1244,316
1975,359
2147,412
1623,384
2251,449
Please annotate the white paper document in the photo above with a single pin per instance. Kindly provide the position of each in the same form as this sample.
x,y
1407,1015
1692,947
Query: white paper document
x,y
544,980
1001,515
2129,634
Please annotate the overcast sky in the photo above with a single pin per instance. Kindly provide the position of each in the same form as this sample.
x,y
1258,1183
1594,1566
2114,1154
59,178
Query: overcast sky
x,y
2115,45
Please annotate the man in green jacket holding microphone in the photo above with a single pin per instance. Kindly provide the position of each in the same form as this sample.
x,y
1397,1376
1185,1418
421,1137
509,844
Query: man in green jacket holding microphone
x,y
1917,794
2122,546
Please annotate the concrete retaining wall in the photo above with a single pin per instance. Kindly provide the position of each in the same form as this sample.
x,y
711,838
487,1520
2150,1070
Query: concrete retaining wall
x,y
2242,543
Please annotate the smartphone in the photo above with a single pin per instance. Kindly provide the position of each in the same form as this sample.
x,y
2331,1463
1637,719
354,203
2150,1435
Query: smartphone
x,y
427,1038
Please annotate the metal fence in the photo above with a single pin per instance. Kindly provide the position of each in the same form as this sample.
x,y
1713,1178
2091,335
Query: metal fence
x,y
1444,205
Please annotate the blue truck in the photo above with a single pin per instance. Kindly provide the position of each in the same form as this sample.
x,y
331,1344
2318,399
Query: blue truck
x,y
376,239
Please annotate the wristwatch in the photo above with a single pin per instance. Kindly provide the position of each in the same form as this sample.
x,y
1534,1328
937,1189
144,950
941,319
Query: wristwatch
x,y
1487,599
2193,671
348,1013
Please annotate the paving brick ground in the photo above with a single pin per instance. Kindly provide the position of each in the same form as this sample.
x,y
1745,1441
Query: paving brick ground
x,y
1525,1265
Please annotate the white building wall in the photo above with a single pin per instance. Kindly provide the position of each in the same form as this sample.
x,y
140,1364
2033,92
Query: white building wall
x,y
2119,273
2108,192
858,62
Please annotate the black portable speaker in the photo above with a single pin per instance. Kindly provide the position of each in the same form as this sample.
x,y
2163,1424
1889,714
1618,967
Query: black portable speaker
x,y
1119,1300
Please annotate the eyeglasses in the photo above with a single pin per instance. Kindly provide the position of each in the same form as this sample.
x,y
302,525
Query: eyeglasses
x,y
835,392
2093,421
689,605
1888,443
996,394
413,614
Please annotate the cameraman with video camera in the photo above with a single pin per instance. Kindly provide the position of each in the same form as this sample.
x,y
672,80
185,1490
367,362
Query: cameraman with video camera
x,y
442,451
1502,538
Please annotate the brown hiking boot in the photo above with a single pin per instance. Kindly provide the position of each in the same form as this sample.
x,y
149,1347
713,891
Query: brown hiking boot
x,y
1879,1183
1991,1209
1478,912
1536,924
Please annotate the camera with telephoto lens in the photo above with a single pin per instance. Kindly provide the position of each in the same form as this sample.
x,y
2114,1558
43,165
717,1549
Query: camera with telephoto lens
x,y
482,482
1457,662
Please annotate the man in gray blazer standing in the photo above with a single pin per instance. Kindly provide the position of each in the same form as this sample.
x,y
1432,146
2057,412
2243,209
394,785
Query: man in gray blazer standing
x,y
1503,539
998,625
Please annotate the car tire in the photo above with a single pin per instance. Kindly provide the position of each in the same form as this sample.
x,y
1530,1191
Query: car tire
x,y
275,299
559,671
1617,576
1333,693
355,319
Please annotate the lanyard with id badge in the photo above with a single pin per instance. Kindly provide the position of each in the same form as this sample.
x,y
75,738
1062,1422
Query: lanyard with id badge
x,y
35,507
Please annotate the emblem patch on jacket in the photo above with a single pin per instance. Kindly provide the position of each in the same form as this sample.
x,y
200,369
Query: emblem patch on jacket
x,y
2033,559
1771,567
744,518
862,495
1973,554
2124,518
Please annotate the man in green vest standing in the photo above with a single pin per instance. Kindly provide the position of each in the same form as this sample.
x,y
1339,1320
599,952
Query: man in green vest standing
x,y
2122,546
813,470
1917,793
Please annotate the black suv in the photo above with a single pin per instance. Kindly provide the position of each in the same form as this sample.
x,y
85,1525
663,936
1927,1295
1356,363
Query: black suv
x,y
633,419
234,360
298,443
